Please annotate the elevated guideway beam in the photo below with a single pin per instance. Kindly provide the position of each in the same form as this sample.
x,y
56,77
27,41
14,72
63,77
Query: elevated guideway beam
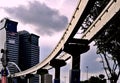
x,y
107,14
90,33
71,26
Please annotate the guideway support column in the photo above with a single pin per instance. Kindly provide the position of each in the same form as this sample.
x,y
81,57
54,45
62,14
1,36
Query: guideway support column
x,y
42,73
75,48
57,64
28,77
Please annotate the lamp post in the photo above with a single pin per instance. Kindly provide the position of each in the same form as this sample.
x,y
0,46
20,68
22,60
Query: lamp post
x,y
65,78
87,72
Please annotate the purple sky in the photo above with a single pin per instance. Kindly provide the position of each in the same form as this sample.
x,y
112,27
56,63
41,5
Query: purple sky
x,y
48,19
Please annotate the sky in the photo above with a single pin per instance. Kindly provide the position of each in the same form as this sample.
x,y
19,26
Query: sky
x,y
48,19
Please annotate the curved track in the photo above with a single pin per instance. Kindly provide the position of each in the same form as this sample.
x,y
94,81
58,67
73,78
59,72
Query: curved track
x,y
72,28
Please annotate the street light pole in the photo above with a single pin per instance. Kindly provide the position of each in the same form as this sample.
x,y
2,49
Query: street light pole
x,y
65,78
87,72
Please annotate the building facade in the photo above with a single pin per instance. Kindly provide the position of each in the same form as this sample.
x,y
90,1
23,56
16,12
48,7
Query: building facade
x,y
12,45
28,52
22,49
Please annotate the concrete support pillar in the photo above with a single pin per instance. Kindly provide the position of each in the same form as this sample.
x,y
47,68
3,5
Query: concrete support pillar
x,y
29,76
57,72
75,48
57,64
42,72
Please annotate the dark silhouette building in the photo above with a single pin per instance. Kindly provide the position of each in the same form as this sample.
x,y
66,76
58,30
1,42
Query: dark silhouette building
x,y
28,52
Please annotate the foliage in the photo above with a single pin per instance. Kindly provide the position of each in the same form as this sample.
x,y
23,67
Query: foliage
x,y
96,79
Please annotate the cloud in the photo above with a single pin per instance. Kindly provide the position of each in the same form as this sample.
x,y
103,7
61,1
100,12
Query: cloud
x,y
46,19
44,52
67,7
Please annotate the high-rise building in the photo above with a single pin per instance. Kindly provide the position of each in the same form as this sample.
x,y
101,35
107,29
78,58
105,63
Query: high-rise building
x,y
9,42
12,44
22,48
28,52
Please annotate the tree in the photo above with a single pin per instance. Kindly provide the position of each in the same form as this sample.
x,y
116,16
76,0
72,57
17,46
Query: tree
x,y
96,79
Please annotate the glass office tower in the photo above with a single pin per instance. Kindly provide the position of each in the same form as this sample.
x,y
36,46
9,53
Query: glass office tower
x,y
22,48
28,52
12,44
